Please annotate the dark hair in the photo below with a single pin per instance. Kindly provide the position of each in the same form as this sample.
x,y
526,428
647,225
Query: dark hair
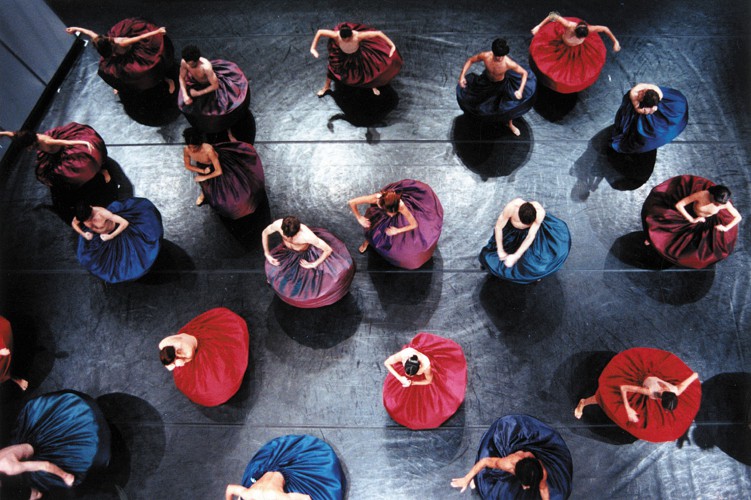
x,y
103,45
581,30
527,213
389,201
345,32
167,355
500,47
529,472
412,366
191,53
669,400
25,138
649,99
192,136
82,211
290,226
719,194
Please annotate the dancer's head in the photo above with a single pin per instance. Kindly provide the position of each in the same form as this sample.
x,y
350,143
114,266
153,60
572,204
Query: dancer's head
x,y
719,194
581,30
527,213
192,136
389,201
650,99
669,400
25,138
83,211
500,47
167,355
345,32
290,226
191,54
104,45
529,472
412,366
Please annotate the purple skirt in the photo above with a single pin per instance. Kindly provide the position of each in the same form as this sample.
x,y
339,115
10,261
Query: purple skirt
x,y
369,67
218,110
238,191
309,288
414,248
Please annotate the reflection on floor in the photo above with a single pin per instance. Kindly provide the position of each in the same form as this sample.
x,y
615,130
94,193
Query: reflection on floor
x,y
530,349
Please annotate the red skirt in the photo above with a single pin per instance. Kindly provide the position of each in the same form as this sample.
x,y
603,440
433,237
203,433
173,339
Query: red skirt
x,y
369,67
676,239
72,166
428,406
217,369
565,68
655,424
6,342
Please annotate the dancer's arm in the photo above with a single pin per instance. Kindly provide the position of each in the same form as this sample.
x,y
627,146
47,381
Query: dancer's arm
x,y
370,199
411,221
318,243
214,157
210,76
122,225
554,16
736,218
319,34
49,141
499,225
183,85
680,388
467,64
364,35
397,358
492,462
76,225
681,207
514,66
125,41
274,227
625,389
606,30
528,240
72,30
188,166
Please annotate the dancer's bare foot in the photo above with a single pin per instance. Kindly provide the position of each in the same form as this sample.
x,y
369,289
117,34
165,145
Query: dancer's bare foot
x,y
106,175
647,243
323,91
115,91
376,91
514,130
22,383
199,201
363,247
579,410
170,84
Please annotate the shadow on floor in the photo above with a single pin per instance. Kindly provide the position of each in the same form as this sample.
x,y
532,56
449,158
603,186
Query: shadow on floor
x,y
552,105
631,250
247,230
578,376
362,108
490,149
173,265
724,419
599,161
153,107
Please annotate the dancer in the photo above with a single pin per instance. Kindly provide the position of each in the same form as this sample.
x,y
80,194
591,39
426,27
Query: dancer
x,y
690,221
310,268
520,457
403,222
359,56
119,243
57,440
649,117
213,94
426,382
230,174
527,244
6,351
294,468
504,91
208,359
568,52
135,55
663,379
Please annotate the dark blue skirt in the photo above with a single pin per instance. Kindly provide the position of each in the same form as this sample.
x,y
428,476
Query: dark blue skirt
x,y
487,99
309,466
635,133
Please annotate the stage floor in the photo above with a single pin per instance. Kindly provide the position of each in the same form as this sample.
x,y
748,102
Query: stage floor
x,y
532,349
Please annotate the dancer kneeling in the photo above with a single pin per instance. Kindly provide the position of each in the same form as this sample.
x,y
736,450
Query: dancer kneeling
x,y
527,244
310,268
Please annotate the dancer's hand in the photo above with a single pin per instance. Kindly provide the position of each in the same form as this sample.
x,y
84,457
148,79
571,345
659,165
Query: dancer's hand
x,y
391,52
364,222
162,30
392,231
314,52
405,382
104,237
88,236
463,82
721,228
535,29
511,260
616,47
632,415
4,351
698,220
271,259
461,482
518,94
306,264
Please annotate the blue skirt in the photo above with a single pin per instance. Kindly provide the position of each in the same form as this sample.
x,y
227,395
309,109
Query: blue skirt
x,y
514,433
485,98
635,133
68,429
309,466
130,254
543,257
